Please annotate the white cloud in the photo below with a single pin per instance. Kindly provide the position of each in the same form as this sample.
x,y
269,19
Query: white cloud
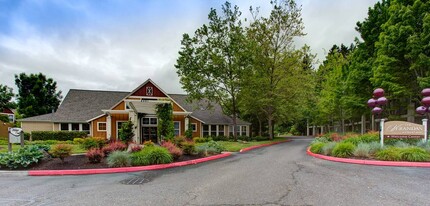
x,y
108,54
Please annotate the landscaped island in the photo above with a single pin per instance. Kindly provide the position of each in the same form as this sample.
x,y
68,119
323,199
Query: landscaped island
x,y
367,146
95,152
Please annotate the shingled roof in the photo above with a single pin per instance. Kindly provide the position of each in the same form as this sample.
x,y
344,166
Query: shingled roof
x,y
212,115
81,106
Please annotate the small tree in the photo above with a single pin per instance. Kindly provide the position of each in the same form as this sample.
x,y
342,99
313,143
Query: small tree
x,y
189,131
126,133
6,95
166,128
61,151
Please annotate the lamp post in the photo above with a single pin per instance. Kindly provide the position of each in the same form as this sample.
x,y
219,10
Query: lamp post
x,y
376,104
425,109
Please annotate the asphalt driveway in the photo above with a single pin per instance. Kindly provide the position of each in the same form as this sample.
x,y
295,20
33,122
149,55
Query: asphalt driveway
x,y
277,175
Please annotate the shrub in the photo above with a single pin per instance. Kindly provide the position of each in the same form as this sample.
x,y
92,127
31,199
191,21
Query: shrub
x,y
260,138
204,150
424,144
362,150
148,143
389,154
320,139
244,138
93,142
57,135
126,133
317,147
328,148
119,159
22,158
414,154
401,144
78,140
335,137
95,155
354,140
374,147
61,151
178,140
151,155
220,138
47,142
135,148
200,139
44,147
188,147
114,146
175,151
343,149
369,137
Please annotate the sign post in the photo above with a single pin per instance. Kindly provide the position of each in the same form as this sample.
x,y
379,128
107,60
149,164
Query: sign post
x,y
16,135
425,129
381,134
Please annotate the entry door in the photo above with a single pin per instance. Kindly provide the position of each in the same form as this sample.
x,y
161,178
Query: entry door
x,y
149,133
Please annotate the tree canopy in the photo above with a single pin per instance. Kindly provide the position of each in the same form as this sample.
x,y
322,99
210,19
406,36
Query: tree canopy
x,y
6,95
37,94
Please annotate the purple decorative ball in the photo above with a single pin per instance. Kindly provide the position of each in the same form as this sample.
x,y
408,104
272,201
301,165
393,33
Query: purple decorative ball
x,y
378,93
381,101
426,101
371,103
425,92
421,110
376,110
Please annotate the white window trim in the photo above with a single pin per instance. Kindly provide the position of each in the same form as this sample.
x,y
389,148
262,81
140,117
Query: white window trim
x,y
98,126
117,128
149,125
195,127
179,127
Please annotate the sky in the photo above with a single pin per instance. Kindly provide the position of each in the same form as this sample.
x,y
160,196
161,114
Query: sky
x,y
119,44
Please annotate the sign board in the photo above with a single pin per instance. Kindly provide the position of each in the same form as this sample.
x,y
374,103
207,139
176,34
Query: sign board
x,y
15,135
401,129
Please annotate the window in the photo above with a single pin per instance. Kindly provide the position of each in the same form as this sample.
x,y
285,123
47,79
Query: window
x,y
177,126
149,121
194,127
243,131
101,126
64,127
118,127
230,130
85,127
237,130
205,130
75,126
220,130
213,130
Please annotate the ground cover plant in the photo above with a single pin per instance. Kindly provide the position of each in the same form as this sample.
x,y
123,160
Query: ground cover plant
x,y
367,146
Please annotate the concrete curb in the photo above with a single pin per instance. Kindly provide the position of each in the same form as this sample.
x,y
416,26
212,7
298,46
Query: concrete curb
x,y
124,169
369,162
262,145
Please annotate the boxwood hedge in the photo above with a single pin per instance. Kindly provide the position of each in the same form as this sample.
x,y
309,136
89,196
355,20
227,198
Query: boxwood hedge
x,y
57,135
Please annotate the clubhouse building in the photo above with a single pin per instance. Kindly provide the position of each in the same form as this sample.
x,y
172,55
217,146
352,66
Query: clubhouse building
x,y
102,113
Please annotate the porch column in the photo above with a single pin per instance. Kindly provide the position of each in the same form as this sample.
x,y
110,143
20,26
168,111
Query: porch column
x,y
322,130
133,119
314,131
108,127
307,127
187,122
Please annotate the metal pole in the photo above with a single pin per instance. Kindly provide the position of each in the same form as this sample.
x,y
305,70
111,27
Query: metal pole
x,y
381,133
425,129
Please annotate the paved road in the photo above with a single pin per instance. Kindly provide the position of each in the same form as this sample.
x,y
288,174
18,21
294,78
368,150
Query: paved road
x,y
278,175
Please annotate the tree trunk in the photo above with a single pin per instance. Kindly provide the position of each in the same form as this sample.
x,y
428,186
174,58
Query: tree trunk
x,y
270,118
260,127
234,118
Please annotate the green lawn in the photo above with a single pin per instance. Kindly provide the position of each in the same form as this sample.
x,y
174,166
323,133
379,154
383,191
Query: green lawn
x,y
237,146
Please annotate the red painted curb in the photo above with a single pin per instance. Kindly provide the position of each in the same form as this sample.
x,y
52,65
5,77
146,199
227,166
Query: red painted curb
x,y
262,145
369,162
124,169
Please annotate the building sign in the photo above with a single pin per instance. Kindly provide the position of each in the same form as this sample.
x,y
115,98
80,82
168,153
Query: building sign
x,y
15,135
401,129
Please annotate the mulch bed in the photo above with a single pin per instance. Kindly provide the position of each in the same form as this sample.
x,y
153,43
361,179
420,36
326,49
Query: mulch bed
x,y
81,162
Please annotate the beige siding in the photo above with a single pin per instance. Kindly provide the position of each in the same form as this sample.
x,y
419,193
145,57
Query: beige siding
x,y
37,126
56,127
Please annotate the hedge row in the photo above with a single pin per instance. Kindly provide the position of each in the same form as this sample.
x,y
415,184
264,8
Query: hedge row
x,y
57,135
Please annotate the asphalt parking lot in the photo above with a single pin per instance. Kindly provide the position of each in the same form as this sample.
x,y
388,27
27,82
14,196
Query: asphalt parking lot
x,y
277,175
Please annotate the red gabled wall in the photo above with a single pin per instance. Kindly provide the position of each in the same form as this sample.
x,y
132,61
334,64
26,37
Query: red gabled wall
x,y
142,91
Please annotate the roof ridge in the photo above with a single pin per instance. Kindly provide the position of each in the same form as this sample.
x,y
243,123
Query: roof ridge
x,y
93,90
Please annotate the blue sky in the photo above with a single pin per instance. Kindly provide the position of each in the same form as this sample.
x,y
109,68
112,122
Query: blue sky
x,y
118,44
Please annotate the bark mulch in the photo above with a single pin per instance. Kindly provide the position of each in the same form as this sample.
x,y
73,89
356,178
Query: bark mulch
x,y
81,162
